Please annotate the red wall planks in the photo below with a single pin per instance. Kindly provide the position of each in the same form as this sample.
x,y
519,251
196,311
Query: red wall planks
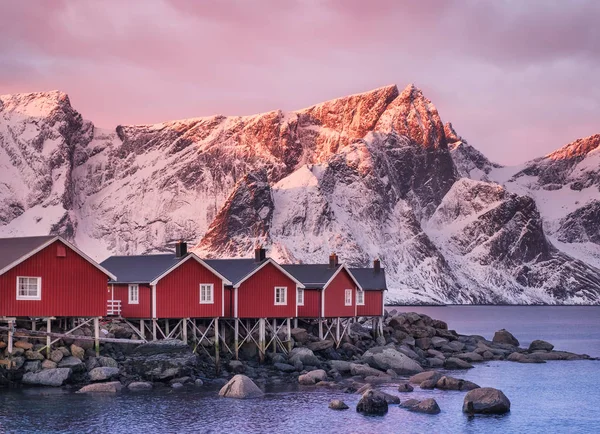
x,y
312,304
335,296
141,310
373,304
256,296
71,286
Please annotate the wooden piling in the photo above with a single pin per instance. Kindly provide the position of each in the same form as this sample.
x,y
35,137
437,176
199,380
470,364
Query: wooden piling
x,y
217,367
320,329
142,329
236,342
97,336
185,330
153,329
11,332
261,340
289,334
48,338
274,336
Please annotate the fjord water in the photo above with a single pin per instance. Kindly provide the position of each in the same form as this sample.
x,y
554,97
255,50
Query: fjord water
x,y
557,396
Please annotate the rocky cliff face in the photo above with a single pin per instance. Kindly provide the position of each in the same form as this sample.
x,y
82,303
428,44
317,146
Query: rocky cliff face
x,y
373,174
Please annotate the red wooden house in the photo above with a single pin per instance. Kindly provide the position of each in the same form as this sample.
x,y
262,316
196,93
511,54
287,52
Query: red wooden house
x,y
48,277
372,281
260,287
169,286
331,290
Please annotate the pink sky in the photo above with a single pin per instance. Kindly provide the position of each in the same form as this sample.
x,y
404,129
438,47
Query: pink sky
x,y
517,79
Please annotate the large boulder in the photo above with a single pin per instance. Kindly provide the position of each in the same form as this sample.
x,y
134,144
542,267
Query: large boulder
x,y
505,337
385,358
539,345
341,366
300,335
304,355
312,377
139,385
110,387
365,370
486,400
240,387
451,383
524,358
372,403
72,362
470,357
319,345
47,377
103,373
77,351
427,406
425,376
56,356
455,363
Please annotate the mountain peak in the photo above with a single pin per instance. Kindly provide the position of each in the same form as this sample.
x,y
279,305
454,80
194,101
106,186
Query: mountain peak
x,y
35,104
577,149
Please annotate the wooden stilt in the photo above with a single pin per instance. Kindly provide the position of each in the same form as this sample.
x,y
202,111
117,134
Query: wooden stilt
x,y
97,336
236,337
261,339
217,367
48,338
195,329
185,330
167,327
143,329
11,332
274,336
321,328
295,323
337,330
33,325
289,334
153,329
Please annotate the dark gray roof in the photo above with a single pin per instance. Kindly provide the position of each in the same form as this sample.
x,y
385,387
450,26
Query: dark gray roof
x,y
312,276
13,249
368,279
139,269
233,270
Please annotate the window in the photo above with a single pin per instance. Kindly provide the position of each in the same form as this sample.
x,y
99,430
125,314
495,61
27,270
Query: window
x,y
300,297
207,293
348,301
29,288
134,294
360,298
280,295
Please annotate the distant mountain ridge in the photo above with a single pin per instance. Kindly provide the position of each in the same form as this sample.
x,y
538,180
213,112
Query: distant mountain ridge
x,y
376,174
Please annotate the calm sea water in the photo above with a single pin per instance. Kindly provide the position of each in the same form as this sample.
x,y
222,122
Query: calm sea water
x,y
546,398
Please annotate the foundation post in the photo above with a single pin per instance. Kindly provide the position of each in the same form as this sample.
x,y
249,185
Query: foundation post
x,y
274,336
289,334
143,329
261,339
217,367
48,338
11,332
236,333
320,328
153,329
185,330
337,330
167,327
97,336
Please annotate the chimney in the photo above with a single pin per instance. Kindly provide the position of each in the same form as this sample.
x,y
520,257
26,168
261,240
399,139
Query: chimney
x,y
377,265
260,254
180,249
333,260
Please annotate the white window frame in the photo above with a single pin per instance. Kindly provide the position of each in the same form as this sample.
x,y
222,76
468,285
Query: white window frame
x,y
284,292
211,299
38,289
360,298
348,297
300,297
131,299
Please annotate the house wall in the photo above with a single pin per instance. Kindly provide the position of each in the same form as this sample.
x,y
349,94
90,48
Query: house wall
x,y
141,310
256,296
178,293
312,304
334,295
373,304
71,286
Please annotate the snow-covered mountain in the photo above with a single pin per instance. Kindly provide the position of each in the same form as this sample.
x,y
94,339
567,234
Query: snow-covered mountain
x,y
369,175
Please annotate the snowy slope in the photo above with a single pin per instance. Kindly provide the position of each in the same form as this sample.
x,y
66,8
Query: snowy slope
x,y
370,175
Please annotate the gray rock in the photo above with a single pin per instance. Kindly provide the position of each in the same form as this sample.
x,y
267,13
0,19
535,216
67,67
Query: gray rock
x,y
451,383
236,367
107,362
365,371
425,376
341,366
434,362
139,385
454,363
198,383
405,387
176,386
110,387
77,351
103,373
312,377
539,345
240,387
300,335
423,343
304,355
337,404
56,356
385,358
428,384
33,366
505,337
72,362
47,377
427,406
486,400
34,355
284,367
524,358
372,403
470,357
49,364
438,342
389,398
319,345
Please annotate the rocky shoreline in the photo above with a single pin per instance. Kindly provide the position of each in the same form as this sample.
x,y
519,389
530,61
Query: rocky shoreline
x,y
414,350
